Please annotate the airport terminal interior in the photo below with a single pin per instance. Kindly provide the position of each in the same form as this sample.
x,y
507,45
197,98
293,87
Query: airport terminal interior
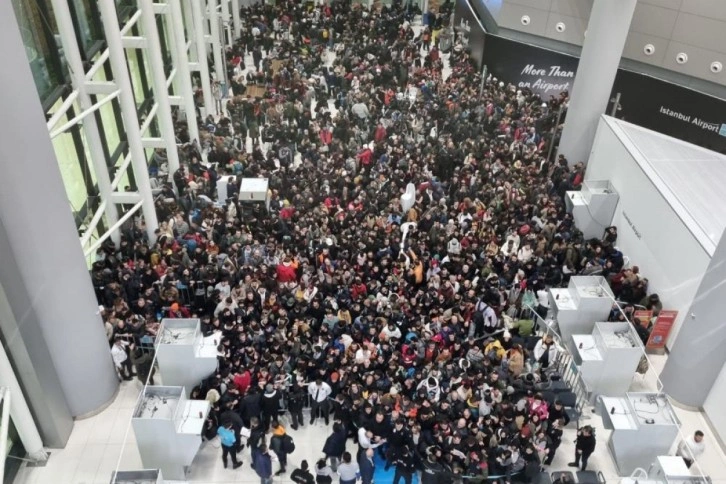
x,y
363,241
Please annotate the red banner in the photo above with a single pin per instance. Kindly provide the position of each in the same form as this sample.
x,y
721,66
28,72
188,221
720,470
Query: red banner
x,y
643,317
661,329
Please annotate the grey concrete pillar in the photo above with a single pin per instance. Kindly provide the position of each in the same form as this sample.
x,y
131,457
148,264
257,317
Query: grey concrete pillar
x,y
42,268
697,355
607,31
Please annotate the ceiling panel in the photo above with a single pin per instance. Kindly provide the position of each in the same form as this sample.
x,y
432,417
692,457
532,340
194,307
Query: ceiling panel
x,y
636,42
699,62
700,32
672,4
572,8
540,4
574,28
510,17
648,19
713,9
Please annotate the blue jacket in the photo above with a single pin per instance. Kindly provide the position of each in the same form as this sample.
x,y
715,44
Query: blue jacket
x,y
263,464
226,436
367,467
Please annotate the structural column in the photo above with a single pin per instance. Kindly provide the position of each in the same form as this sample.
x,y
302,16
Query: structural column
x,y
236,20
607,31
697,355
183,72
50,315
219,61
161,90
117,59
201,48
93,136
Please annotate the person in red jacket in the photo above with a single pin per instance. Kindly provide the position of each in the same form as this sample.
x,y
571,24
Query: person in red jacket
x,y
286,271
242,380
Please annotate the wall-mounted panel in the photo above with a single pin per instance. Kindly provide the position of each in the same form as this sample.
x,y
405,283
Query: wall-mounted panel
x,y
635,48
574,28
700,32
510,17
651,20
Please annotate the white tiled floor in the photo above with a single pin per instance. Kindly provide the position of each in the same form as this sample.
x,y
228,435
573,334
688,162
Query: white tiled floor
x,y
96,445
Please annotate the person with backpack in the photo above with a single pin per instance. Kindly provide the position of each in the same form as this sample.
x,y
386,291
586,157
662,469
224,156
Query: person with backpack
x,y
282,445
229,444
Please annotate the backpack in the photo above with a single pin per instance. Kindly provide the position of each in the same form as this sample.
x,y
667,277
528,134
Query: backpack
x,y
288,445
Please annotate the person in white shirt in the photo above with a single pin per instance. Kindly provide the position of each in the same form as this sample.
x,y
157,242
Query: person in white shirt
x,y
121,359
367,441
545,351
691,447
319,391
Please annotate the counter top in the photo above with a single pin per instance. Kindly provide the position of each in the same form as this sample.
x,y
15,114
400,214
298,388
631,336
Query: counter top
x,y
191,423
562,298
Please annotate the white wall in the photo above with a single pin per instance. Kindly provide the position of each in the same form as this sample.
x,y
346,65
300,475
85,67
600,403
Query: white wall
x,y
650,233
715,403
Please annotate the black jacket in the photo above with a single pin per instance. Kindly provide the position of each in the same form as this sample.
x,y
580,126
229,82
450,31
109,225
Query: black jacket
x,y
335,443
585,443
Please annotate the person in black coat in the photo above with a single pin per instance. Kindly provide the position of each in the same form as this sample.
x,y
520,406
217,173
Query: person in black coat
x,y
270,405
554,433
256,438
251,405
302,475
584,447
231,417
405,467
295,402
399,439
335,445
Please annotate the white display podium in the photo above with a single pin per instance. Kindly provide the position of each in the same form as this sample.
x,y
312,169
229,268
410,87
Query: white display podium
x,y
577,307
254,190
168,429
643,426
148,476
668,467
608,358
184,356
592,207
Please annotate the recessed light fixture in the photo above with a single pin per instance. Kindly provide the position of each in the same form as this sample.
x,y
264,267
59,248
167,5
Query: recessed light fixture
x,y
716,67
682,58
560,27
649,49
525,20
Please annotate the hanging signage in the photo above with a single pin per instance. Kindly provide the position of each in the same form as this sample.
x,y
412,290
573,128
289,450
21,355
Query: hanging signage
x,y
649,102
469,29
661,329
671,109
643,317
544,72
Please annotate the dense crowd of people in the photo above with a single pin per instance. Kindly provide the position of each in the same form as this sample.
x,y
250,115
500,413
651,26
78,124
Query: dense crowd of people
x,y
403,327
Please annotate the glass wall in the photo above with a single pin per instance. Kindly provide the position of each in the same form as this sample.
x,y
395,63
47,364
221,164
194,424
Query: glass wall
x,y
39,32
